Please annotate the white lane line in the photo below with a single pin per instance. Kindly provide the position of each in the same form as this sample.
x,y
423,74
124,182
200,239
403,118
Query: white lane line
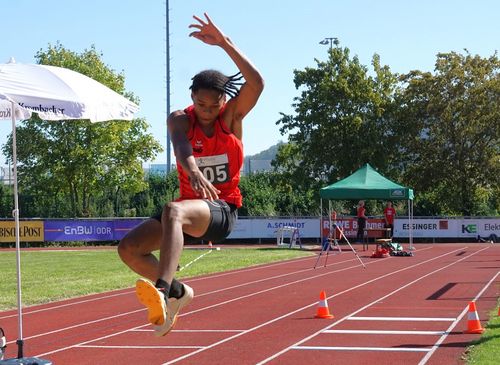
x,y
406,319
79,325
107,295
315,304
199,310
289,274
234,272
59,306
295,282
387,332
191,331
141,347
442,338
272,278
266,290
346,348
254,268
92,340
295,345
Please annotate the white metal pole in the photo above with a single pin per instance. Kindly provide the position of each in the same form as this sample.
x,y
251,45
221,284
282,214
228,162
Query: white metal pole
x,y
410,223
329,219
167,37
321,221
15,213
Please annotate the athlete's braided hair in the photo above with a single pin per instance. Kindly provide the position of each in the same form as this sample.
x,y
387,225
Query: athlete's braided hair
x,y
215,80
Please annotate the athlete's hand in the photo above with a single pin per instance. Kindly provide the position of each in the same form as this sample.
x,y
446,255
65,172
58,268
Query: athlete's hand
x,y
202,187
207,32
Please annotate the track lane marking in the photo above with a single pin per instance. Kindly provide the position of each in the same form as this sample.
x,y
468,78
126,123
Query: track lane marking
x,y
193,331
78,325
296,345
200,295
442,338
347,348
138,347
256,293
414,319
106,295
193,311
59,306
386,332
311,305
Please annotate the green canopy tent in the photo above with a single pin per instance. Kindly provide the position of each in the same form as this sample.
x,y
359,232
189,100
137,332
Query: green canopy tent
x,y
367,183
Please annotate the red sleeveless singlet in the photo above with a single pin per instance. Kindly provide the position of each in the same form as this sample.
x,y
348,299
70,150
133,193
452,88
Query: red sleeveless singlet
x,y
219,158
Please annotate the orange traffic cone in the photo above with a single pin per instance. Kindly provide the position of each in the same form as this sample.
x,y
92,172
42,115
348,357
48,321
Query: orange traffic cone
x,y
473,323
323,311
210,244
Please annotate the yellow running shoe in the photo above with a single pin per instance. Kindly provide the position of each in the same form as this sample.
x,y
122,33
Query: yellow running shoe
x,y
153,299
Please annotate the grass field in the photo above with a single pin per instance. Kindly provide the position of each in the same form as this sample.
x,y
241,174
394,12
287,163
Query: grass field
x,y
53,275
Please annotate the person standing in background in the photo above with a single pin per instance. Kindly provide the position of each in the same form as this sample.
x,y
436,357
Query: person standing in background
x,y
389,215
361,214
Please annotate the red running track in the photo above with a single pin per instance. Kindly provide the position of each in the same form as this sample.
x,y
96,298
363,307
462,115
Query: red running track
x,y
399,310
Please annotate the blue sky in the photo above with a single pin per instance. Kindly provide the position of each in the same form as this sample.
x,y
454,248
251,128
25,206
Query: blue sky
x,y
277,35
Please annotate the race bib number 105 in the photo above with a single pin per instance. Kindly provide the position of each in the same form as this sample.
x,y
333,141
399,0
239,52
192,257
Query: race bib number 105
x,y
214,168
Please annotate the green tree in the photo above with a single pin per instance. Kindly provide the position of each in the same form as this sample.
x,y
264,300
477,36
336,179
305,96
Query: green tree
x,y
340,121
6,201
259,195
161,189
77,161
449,134
270,194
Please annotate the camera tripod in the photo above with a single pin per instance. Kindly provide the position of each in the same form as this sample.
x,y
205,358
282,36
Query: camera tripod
x,y
334,227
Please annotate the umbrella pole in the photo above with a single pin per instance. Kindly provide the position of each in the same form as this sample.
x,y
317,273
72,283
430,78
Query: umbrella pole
x,y
15,213
20,342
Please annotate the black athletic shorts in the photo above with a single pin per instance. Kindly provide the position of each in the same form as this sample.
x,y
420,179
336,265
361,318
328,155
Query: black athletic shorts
x,y
222,219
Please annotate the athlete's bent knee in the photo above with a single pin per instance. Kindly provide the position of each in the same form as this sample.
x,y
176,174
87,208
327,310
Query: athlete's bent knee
x,y
126,248
172,212
122,249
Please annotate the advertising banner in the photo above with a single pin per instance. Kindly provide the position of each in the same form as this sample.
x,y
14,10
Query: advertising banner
x,y
29,231
425,227
115,229
350,227
267,228
448,228
88,230
481,227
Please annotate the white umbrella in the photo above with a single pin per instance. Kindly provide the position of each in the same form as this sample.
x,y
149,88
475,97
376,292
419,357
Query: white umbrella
x,y
54,93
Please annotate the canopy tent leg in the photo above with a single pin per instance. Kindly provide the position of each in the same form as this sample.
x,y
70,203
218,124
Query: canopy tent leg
x,y
329,218
321,220
410,218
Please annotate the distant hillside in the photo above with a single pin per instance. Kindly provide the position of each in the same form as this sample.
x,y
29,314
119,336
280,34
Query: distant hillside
x,y
262,160
268,154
